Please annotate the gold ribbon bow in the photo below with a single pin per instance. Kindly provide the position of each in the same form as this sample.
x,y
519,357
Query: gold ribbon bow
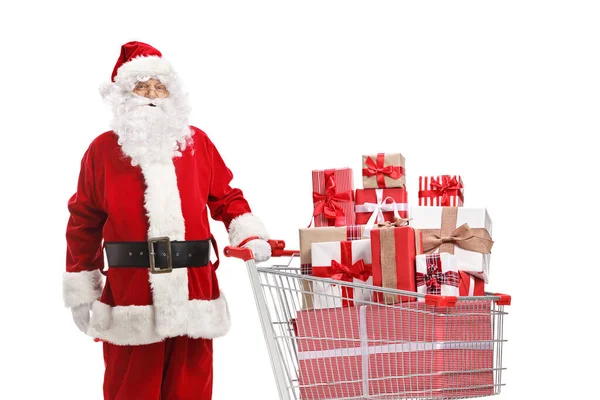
x,y
477,240
397,223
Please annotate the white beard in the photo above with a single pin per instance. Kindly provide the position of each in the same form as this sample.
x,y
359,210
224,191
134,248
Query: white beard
x,y
149,134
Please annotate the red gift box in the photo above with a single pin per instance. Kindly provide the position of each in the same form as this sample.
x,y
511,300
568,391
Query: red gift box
x,y
374,206
413,351
333,197
329,364
468,360
441,191
422,351
393,251
470,285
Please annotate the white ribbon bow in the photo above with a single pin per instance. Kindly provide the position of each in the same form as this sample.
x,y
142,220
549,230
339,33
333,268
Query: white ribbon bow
x,y
377,210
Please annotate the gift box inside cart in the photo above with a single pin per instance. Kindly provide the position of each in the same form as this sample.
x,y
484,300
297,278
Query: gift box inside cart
x,y
422,347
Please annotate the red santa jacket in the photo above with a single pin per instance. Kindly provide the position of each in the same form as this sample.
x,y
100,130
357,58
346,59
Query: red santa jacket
x,y
116,201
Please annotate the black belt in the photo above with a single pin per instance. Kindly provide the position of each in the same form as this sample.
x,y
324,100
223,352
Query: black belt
x,y
159,254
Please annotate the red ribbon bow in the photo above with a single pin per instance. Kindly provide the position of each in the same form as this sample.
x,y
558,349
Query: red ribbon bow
x,y
445,188
344,270
393,171
329,203
358,270
435,278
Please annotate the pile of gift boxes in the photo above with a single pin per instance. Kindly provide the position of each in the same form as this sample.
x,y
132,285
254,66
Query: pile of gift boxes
x,y
371,236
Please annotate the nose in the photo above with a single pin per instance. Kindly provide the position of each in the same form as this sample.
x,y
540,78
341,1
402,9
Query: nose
x,y
151,94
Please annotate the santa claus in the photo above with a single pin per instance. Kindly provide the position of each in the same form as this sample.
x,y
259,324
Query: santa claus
x,y
143,196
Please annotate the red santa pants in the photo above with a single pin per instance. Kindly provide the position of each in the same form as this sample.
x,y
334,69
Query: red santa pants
x,y
177,368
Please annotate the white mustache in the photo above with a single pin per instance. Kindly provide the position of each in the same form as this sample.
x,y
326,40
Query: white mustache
x,y
135,101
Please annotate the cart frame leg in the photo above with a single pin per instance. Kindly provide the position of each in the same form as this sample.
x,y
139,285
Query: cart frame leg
x,y
268,332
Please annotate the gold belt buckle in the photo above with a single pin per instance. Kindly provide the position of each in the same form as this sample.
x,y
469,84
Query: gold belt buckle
x,y
167,242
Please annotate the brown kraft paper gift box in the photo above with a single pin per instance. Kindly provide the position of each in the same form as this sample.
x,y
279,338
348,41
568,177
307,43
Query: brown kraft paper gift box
x,y
309,236
383,170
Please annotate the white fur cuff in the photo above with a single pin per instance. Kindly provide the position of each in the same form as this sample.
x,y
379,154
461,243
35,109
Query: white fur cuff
x,y
244,226
81,287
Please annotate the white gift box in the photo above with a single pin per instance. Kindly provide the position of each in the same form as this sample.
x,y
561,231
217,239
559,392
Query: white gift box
x,y
437,269
475,263
327,295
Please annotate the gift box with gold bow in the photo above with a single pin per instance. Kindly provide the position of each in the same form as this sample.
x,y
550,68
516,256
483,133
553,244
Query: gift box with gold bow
x,y
441,191
383,170
333,197
345,261
464,232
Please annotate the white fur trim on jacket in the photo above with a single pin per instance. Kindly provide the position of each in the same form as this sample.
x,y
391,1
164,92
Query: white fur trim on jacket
x,y
83,287
172,313
170,291
244,226
137,325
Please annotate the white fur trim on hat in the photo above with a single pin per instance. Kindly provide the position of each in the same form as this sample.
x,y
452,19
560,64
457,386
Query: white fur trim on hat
x,y
244,226
83,287
144,66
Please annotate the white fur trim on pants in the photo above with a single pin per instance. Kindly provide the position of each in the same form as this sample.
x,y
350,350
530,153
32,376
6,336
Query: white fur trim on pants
x,y
81,287
136,325
244,226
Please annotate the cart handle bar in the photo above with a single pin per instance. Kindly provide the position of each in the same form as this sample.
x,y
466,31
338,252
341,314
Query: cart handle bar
x,y
277,250
450,301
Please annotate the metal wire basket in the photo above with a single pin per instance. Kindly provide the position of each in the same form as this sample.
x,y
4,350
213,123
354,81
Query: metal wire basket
x,y
329,339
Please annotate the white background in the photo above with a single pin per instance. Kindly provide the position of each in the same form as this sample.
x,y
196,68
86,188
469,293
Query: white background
x,y
504,93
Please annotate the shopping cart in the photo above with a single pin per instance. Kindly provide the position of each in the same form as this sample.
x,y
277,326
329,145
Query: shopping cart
x,y
328,341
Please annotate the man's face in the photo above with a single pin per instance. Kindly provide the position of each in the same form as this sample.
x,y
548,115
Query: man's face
x,y
151,89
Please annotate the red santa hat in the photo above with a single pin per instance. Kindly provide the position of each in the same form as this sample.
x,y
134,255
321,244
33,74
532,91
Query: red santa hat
x,y
140,61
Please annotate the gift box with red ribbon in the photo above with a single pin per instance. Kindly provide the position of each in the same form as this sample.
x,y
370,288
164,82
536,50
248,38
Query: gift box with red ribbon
x,y
329,365
443,191
345,261
308,236
437,274
374,206
383,170
333,197
394,248
414,350
423,351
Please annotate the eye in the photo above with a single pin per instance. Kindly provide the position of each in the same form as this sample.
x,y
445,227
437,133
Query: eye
x,y
161,87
